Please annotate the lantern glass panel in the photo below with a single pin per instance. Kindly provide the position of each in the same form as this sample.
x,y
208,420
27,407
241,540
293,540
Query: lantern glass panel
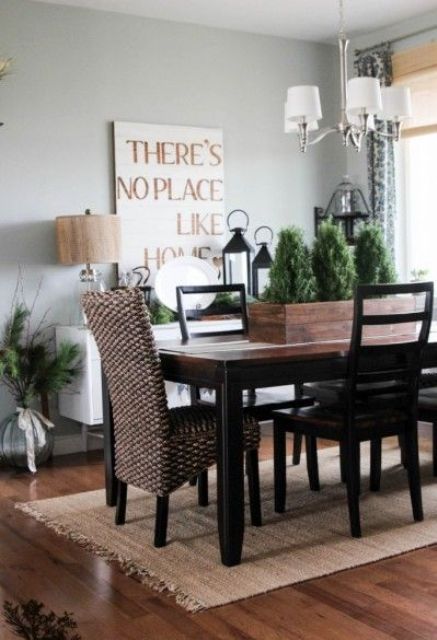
x,y
237,268
263,279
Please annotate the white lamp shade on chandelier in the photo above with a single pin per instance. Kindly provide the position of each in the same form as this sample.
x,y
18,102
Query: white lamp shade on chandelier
x,y
396,103
291,126
363,96
303,102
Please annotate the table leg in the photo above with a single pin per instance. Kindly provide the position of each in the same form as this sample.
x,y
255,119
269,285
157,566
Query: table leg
x,y
230,472
108,447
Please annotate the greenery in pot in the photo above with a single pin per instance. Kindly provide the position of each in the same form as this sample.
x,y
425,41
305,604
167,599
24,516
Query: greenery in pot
x,y
333,264
291,276
30,370
373,262
160,314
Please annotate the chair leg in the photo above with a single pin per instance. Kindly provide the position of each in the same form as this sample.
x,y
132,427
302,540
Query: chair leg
x,y
120,509
297,447
352,449
434,448
161,521
252,467
279,449
343,471
202,488
312,462
401,439
192,481
413,469
375,464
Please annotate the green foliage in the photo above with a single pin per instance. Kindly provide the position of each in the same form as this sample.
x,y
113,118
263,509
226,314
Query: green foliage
x,y
333,264
29,621
28,366
224,298
291,276
373,262
160,314
419,274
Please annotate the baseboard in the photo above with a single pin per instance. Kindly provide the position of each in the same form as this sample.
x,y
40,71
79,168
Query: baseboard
x,y
73,444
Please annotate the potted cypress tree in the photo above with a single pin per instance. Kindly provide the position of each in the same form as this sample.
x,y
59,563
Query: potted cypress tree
x,y
291,276
333,264
291,285
372,260
309,296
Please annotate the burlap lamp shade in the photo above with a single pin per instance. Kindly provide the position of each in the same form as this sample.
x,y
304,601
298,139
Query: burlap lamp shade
x,y
86,239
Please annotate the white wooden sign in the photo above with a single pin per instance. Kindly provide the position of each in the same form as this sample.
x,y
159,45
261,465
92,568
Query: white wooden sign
x,y
169,192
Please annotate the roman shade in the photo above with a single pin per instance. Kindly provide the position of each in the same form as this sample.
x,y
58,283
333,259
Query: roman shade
x,y
417,68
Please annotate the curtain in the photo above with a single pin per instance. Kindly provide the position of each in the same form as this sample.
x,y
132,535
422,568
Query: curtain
x,y
380,152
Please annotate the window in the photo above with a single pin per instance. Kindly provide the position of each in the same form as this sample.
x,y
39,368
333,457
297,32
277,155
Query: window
x,y
421,204
417,68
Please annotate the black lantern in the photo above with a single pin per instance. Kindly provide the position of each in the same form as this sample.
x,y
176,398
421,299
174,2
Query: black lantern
x,y
236,255
346,206
261,263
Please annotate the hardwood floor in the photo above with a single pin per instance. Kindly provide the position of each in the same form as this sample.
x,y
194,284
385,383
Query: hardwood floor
x,y
395,598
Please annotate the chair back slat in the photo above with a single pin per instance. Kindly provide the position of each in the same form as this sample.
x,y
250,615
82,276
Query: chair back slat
x,y
392,362
120,324
237,309
394,318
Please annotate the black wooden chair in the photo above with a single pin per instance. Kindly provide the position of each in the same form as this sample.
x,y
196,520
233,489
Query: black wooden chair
x,y
427,408
259,403
380,401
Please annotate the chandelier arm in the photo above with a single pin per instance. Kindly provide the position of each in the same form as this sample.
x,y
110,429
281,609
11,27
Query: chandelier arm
x,y
356,137
322,134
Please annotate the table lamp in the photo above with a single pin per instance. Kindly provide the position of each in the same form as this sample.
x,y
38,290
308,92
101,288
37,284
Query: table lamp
x,y
88,239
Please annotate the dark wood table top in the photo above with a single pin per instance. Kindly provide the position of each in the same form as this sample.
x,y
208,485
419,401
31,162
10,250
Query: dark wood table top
x,y
239,351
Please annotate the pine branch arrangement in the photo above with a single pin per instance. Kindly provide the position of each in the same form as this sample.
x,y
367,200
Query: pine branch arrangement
x,y
28,620
291,276
373,262
28,366
333,264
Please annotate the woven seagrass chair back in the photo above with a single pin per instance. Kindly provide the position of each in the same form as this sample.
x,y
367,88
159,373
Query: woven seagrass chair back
x,y
120,324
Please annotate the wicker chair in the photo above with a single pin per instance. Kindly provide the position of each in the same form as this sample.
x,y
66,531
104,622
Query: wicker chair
x,y
156,448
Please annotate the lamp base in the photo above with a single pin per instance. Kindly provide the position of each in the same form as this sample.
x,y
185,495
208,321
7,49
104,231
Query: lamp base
x,y
89,275
89,280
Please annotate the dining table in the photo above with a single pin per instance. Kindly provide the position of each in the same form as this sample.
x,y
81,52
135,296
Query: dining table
x,y
229,365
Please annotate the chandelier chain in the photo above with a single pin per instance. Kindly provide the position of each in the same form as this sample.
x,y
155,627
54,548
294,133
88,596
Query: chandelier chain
x,y
342,25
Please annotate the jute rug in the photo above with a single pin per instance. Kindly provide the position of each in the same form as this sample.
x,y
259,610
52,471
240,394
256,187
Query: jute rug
x,y
310,540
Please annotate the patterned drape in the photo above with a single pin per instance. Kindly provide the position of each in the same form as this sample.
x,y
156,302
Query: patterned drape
x,y
380,152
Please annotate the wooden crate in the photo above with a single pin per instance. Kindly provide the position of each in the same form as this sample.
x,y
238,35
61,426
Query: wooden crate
x,y
320,321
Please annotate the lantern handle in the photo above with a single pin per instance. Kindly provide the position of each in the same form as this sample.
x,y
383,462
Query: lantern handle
x,y
238,211
143,277
259,229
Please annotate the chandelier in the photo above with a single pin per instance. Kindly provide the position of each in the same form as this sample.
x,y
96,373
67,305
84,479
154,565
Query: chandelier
x,y
361,100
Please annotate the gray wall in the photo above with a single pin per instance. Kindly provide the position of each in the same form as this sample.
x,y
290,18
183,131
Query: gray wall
x,y
75,71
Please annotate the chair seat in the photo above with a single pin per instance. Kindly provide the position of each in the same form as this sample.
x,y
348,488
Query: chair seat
x,y
428,378
334,391
331,418
428,399
191,422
